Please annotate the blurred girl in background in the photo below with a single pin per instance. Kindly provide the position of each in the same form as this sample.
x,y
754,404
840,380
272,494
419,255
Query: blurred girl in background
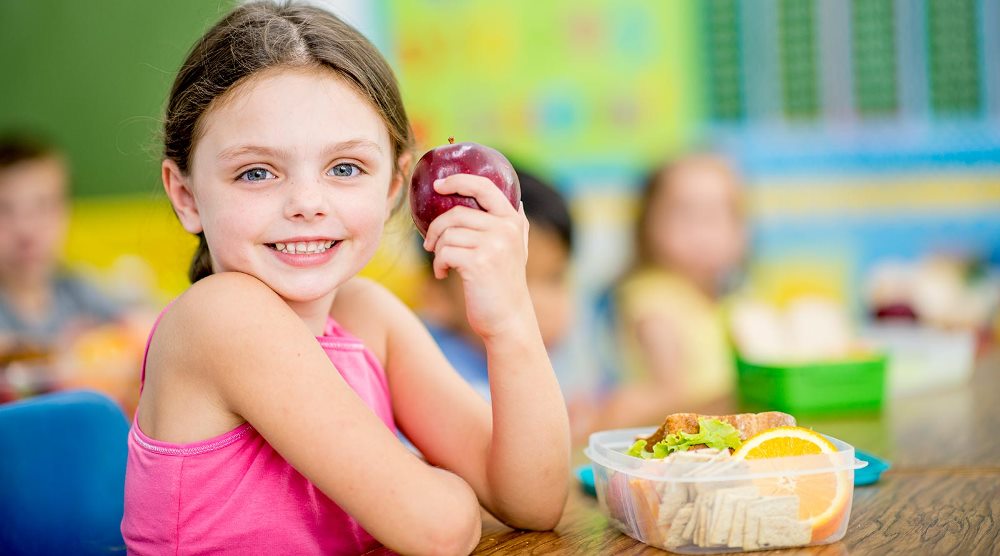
x,y
690,242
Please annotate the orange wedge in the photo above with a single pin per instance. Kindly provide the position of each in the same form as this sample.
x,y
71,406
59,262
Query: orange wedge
x,y
823,497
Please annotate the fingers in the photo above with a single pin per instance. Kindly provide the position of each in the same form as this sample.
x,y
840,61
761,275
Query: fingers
x,y
460,237
467,248
450,256
470,240
484,191
527,223
455,217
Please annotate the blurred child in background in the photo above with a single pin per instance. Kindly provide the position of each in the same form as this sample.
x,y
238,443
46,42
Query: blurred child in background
x,y
690,240
550,246
42,306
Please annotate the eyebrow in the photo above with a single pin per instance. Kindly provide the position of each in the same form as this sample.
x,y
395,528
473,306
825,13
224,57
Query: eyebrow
x,y
240,150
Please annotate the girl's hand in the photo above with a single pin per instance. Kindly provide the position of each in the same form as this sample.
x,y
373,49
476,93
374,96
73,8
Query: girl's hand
x,y
489,249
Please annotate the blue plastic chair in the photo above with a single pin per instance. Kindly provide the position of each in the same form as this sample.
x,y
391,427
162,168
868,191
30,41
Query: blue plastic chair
x,y
62,475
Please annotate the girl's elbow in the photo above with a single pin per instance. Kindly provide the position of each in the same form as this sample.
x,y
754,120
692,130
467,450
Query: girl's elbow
x,y
549,517
537,521
458,534
544,515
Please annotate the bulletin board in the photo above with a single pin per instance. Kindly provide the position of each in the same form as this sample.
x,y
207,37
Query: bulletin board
x,y
566,87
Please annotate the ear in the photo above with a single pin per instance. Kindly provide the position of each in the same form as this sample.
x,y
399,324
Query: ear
x,y
398,179
178,189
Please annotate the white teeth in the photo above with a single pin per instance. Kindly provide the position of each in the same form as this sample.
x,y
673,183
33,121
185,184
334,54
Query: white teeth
x,y
303,247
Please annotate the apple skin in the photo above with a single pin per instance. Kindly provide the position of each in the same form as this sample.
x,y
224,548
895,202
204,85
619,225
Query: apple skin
x,y
426,204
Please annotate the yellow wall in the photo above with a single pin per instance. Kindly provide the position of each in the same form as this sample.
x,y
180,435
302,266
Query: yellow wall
x,y
110,236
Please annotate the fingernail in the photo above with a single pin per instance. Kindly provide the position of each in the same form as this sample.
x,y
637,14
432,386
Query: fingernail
x,y
437,182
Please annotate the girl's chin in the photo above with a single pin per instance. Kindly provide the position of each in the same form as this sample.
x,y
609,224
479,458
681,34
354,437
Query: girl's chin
x,y
302,294
300,291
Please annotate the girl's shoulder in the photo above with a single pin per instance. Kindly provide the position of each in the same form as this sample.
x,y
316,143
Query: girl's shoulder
x,y
222,295
215,308
211,339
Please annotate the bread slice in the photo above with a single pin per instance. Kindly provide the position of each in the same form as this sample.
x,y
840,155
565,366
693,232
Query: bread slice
x,y
748,424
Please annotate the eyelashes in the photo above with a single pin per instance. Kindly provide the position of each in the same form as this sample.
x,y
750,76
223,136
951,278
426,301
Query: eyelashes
x,y
340,170
254,175
345,170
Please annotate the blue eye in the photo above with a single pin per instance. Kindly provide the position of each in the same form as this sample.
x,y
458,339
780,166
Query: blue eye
x,y
344,170
256,174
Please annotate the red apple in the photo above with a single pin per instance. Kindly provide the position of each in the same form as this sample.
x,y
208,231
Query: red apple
x,y
457,158
895,311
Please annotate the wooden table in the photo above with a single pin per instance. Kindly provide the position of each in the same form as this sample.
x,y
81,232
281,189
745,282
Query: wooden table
x,y
941,496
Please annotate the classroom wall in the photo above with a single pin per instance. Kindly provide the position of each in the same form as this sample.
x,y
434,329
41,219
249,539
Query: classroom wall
x,y
867,129
94,77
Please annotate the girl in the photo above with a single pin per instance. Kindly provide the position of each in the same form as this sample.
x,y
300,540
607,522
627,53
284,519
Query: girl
x,y
274,384
690,239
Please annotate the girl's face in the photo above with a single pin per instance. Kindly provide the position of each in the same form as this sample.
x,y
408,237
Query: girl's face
x,y
291,181
696,226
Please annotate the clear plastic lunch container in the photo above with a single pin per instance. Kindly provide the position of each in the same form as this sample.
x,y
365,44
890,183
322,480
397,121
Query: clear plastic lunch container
x,y
723,504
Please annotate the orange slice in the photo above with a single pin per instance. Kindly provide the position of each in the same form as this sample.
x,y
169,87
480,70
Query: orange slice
x,y
823,497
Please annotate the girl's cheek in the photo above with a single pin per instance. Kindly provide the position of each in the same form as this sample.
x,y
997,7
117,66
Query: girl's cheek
x,y
366,211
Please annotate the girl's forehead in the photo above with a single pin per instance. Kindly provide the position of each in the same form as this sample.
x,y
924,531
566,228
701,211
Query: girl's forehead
x,y
302,109
700,178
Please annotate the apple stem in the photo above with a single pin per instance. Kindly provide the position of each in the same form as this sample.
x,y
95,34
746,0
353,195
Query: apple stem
x,y
451,140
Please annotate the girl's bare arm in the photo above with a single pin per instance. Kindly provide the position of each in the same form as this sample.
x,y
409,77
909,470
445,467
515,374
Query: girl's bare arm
x,y
265,366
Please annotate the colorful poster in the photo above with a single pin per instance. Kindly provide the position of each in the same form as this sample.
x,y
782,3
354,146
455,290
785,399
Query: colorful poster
x,y
560,85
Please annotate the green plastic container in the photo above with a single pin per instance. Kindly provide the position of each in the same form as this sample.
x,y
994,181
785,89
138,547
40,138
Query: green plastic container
x,y
856,384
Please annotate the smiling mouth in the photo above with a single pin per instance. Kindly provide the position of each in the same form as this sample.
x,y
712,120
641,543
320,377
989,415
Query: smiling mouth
x,y
303,247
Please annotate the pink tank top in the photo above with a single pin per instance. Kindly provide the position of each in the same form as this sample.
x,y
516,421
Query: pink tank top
x,y
233,494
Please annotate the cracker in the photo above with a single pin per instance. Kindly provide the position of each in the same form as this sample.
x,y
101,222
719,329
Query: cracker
x,y
739,520
769,506
786,506
724,511
675,536
779,531
674,496
751,525
696,456
701,529
689,526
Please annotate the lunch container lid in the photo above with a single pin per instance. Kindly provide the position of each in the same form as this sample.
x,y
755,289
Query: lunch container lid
x,y
607,448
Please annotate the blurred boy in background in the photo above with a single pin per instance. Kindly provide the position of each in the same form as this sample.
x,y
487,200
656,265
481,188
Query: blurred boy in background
x,y
39,302
44,309
550,245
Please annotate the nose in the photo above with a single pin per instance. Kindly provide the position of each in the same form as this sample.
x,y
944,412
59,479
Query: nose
x,y
306,201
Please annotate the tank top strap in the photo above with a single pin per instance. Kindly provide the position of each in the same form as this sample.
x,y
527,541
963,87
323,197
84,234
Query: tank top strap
x,y
149,340
333,331
331,328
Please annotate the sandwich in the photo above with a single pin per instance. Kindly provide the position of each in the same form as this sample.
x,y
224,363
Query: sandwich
x,y
691,431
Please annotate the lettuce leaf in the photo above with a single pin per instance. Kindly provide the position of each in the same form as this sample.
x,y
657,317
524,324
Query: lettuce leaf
x,y
638,449
717,434
711,432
